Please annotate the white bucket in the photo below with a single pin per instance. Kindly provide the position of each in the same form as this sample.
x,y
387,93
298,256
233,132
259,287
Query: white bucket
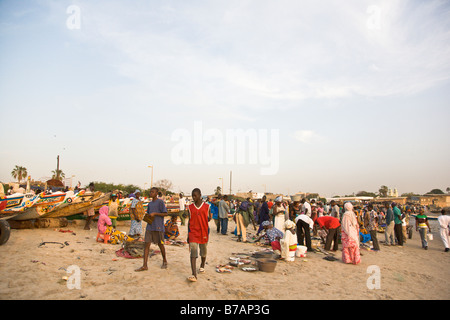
x,y
291,256
430,236
301,251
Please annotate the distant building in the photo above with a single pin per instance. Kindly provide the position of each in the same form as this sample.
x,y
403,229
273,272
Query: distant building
x,y
351,199
398,200
438,200
392,193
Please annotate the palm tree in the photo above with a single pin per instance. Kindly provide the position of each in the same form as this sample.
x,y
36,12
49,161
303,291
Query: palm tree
x,y
19,173
58,174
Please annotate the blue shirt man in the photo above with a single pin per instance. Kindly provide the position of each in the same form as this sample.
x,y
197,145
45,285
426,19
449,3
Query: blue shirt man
x,y
157,206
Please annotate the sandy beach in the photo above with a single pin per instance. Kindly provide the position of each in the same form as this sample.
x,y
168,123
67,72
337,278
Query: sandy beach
x,y
30,271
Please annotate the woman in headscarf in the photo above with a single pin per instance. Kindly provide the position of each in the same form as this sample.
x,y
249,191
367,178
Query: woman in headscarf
x,y
103,220
289,242
350,236
279,213
272,235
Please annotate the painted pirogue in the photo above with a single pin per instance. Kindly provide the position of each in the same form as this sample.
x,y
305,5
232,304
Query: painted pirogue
x,y
66,204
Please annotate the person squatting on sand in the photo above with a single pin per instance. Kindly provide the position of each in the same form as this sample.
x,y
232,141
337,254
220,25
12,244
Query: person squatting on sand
x,y
104,226
271,236
289,242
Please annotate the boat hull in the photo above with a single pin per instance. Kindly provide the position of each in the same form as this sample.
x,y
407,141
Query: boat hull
x,y
73,208
44,205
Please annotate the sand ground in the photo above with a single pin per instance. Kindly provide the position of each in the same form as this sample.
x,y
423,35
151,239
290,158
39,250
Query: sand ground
x,y
28,271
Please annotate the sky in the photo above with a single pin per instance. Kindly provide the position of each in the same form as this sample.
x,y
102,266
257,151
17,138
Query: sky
x,y
333,97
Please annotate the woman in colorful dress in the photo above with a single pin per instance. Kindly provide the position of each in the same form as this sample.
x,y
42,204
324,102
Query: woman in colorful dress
x,y
279,212
272,235
350,236
136,215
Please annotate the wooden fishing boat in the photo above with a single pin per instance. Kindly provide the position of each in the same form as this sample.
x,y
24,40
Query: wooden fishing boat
x,y
12,200
77,205
13,205
28,200
44,204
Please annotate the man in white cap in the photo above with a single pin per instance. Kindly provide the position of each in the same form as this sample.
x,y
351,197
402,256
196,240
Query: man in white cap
x,y
136,215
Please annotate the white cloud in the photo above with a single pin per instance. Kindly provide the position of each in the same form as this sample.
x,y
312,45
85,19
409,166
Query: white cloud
x,y
308,136
238,57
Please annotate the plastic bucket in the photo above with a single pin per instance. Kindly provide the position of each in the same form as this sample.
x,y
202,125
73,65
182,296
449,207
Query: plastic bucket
x,y
291,256
301,250
266,265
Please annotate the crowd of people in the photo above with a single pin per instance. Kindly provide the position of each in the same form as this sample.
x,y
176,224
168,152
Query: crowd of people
x,y
283,225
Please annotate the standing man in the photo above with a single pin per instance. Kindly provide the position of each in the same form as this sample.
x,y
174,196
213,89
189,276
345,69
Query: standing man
x,y
224,210
263,214
242,214
113,212
198,232
91,211
215,212
371,225
154,232
444,222
335,211
306,207
398,224
183,213
389,231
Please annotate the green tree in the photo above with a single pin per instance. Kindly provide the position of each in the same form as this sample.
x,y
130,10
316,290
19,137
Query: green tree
x,y
58,174
19,173
218,190
383,191
436,191
109,187
312,196
366,194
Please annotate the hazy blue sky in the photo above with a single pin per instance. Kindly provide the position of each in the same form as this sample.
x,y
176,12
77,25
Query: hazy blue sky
x,y
359,91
